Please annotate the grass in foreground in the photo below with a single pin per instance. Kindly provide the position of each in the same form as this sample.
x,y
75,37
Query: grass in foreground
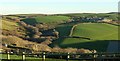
x,y
19,58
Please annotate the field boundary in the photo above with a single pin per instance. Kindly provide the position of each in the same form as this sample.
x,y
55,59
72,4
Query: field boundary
x,y
69,56
72,29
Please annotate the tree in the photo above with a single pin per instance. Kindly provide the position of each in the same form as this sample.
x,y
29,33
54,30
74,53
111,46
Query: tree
x,y
23,23
47,42
36,36
56,33
38,33
83,51
57,49
70,50
39,26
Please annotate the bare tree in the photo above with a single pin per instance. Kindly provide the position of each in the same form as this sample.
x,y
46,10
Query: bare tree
x,y
47,42
56,33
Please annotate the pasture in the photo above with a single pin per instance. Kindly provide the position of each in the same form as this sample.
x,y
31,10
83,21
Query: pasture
x,y
99,33
19,58
46,19
61,57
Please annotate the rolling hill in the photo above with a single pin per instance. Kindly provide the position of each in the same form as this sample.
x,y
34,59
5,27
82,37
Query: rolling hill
x,y
113,16
99,33
12,28
8,25
46,19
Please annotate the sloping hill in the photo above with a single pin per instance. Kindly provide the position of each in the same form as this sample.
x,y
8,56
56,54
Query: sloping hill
x,y
113,16
9,25
99,33
12,28
46,19
10,40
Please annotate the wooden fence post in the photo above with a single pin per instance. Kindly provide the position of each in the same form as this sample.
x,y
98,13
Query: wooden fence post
x,y
43,56
68,56
8,55
94,55
23,56
114,55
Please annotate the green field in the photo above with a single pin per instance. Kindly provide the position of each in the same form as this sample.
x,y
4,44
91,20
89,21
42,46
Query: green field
x,y
19,58
46,19
113,16
64,30
99,33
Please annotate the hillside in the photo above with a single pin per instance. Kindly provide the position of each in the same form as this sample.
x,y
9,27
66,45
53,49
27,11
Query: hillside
x,y
9,25
113,16
99,33
21,43
63,30
46,19
12,28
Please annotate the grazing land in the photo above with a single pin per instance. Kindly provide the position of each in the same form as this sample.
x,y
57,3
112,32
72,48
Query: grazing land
x,y
46,19
60,31
99,33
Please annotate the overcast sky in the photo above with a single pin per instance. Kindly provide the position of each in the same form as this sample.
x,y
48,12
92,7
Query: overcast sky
x,y
57,6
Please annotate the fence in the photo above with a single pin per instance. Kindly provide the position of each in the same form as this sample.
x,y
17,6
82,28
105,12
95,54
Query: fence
x,y
70,56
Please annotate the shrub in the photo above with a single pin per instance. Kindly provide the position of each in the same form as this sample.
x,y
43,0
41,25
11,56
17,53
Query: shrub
x,y
47,42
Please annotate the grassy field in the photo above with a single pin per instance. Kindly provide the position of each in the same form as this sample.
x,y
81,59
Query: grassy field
x,y
113,16
99,33
4,56
64,30
46,19
19,58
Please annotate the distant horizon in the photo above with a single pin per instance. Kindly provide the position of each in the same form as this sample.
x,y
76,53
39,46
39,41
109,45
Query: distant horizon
x,y
57,6
61,13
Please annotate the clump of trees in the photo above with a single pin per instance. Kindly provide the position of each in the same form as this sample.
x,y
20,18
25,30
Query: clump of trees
x,y
43,46
14,40
47,41
55,33
42,26
39,47
34,31
11,32
57,49
71,50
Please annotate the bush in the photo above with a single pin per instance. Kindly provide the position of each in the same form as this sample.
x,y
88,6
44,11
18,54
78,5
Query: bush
x,y
47,42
